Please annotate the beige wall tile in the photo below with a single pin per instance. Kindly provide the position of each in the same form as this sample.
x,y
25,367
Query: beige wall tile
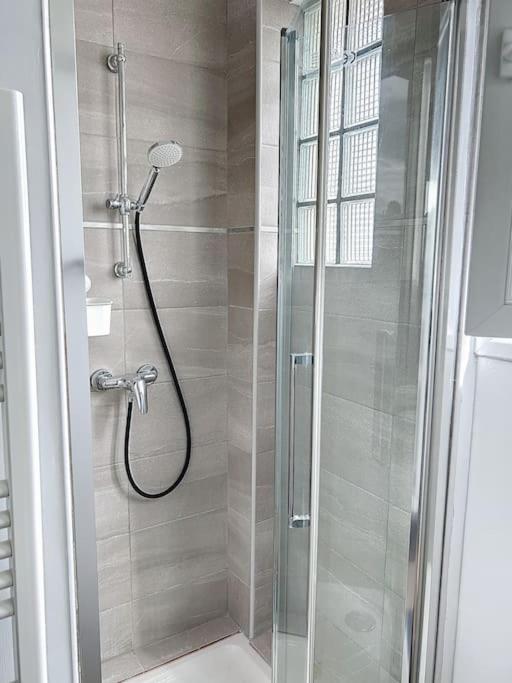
x,y
102,250
114,575
190,498
161,430
193,32
178,553
197,337
166,613
171,100
99,176
116,631
111,502
93,21
238,602
96,90
239,481
185,268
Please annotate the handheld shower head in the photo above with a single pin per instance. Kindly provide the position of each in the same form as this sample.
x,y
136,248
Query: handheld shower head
x,y
164,154
160,155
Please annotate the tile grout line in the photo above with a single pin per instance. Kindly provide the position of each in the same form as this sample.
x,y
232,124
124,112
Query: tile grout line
x,y
167,227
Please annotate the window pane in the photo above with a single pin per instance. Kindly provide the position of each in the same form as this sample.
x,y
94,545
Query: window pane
x,y
311,59
357,219
336,95
307,171
365,23
306,216
331,233
312,21
359,162
334,167
309,104
338,31
363,89
309,107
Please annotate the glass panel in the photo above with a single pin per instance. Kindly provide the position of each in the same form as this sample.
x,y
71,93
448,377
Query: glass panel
x,y
359,162
357,220
334,167
309,106
373,322
306,217
365,23
311,54
354,102
308,157
332,233
374,319
311,59
297,216
362,95
336,95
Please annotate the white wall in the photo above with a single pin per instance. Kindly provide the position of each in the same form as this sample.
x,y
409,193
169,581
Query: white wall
x,y
484,630
23,29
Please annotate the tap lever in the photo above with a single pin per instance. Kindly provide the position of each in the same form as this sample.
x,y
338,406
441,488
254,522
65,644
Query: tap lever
x,y
136,384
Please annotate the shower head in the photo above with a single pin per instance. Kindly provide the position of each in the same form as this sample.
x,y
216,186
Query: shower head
x,y
164,154
160,155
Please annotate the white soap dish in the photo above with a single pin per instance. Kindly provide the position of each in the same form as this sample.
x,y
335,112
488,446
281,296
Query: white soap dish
x,y
98,317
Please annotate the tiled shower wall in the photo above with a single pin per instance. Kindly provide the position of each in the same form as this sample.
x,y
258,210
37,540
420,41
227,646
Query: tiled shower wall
x,y
252,275
163,565
241,47
191,74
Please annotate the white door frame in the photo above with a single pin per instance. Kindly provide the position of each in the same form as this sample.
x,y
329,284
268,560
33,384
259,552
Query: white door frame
x,y
37,53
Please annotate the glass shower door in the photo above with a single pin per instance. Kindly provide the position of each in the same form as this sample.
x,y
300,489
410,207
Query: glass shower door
x,y
299,118
349,500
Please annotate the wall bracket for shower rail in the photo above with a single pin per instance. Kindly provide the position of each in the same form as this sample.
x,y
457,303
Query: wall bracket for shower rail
x,y
136,384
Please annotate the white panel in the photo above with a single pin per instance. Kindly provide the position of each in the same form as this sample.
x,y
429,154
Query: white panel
x,y
489,311
21,393
484,625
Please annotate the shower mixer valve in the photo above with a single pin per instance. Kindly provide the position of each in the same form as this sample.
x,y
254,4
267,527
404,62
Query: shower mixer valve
x,y
136,384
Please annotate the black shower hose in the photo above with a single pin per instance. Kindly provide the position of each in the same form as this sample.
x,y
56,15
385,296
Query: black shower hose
x,y
176,382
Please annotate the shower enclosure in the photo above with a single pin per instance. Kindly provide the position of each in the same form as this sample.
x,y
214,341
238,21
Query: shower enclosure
x,y
363,106
313,137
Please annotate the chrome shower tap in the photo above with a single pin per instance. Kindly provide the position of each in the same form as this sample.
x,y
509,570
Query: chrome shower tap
x,y
136,384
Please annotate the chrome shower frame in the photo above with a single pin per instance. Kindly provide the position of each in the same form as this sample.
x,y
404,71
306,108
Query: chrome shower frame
x,y
116,63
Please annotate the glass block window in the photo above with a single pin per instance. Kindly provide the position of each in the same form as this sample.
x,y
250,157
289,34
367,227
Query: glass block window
x,y
357,238
364,23
359,162
306,217
354,115
362,89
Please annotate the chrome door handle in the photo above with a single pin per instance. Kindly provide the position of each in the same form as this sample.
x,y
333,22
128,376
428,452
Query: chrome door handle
x,y
295,520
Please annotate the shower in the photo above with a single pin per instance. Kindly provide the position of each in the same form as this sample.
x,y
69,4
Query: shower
x,y
287,514
160,155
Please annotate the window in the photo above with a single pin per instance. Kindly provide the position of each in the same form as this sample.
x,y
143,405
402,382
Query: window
x,y
354,115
